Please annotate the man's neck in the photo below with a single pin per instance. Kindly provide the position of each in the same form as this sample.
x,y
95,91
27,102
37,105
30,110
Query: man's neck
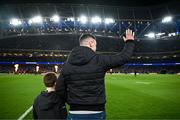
x,y
50,89
87,46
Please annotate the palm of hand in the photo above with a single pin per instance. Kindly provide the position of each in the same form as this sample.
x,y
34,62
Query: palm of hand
x,y
129,35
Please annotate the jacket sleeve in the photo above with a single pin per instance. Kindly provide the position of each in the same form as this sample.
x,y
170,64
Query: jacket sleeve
x,y
111,61
60,87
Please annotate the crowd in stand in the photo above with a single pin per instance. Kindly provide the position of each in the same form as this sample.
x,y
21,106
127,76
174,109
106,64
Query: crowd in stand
x,y
148,69
125,69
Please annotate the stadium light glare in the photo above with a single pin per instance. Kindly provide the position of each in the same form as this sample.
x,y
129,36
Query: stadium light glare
x,y
55,18
96,19
160,34
36,20
56,68
83,19
167,19
108,20
150,35
16,66
37,68
15,22
171,34
70,19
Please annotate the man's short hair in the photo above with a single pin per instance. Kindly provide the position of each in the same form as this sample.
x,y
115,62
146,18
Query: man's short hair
x,y
85,36
50,79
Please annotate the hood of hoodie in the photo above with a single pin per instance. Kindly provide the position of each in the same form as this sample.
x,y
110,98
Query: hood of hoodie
x,y
81,55
48,100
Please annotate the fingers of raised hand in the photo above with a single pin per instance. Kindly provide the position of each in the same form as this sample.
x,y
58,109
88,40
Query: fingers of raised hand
x,y
129,35
129,32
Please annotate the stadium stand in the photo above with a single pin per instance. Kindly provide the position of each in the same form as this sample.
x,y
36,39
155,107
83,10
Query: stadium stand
x,y
47,39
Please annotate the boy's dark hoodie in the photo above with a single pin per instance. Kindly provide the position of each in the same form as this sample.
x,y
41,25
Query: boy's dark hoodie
x,y
49,106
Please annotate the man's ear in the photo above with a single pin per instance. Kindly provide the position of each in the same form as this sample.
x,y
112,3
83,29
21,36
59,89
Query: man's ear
x,y
90,43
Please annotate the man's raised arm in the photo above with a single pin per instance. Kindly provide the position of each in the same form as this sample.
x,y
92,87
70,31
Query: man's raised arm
x,y
110,61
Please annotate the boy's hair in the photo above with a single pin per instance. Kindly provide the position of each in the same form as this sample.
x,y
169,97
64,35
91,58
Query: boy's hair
x,y
50,79
85,36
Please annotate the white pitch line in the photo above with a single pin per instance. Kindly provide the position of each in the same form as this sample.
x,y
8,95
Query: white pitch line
x,y
25,113
147,83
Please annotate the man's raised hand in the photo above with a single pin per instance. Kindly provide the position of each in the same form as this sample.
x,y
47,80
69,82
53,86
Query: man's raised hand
x,y
129,35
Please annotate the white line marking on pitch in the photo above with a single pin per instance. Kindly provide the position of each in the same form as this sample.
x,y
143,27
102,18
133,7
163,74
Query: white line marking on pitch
x,y
25,113
147,83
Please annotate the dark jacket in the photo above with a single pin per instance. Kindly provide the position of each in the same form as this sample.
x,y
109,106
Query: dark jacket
x,y
83,75
49,106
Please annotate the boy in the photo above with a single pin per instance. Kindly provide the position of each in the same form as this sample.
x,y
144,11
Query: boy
x,y
48,105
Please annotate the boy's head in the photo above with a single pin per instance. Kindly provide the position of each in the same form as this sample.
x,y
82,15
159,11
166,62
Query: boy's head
x,y
50,79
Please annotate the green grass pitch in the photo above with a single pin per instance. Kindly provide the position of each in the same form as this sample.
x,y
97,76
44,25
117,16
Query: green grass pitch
x,y
144,96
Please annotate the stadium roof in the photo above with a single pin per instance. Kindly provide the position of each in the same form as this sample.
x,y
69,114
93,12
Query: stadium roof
x,y
95,2
144,17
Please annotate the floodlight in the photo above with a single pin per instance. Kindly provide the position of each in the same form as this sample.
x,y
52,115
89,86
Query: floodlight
x,y
167,19
36,20
96,19
159,34
83,19
55,18
171,34
109,20
15,22
70,19
150,35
